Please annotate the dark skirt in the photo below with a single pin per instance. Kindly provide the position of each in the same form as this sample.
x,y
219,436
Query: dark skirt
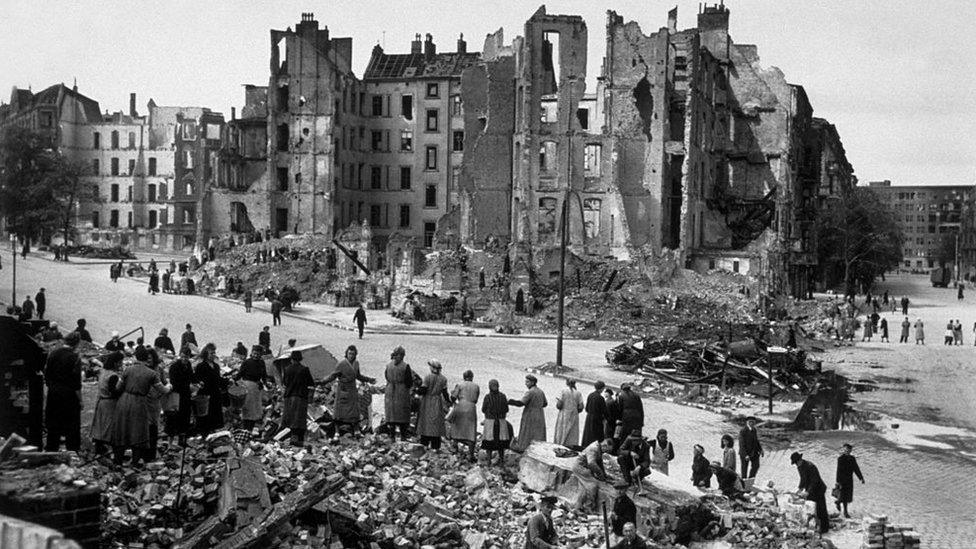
x,y
846,492
178,421
295,413
497,434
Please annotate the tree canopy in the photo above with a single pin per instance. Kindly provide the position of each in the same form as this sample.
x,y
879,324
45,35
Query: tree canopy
x,y
858,239
39,187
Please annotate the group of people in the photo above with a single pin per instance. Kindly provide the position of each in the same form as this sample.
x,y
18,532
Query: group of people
x,y
30,310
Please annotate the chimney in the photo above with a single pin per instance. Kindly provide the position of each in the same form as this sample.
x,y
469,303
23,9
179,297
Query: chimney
x,y
430,50
132,104
233,113
673,20
415,45
462,46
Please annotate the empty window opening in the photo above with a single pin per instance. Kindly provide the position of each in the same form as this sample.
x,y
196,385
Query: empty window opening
x,y
282,137
432,117
406,106
591,160
377,109
375,215
429,229
152,166
405,177
152,218
547,216
583,115
406,140
431,157
430,196
282,179
550,63
115,140
645,105
115,166
458,141
132,140
96,140
547,156
283,98
591,217
405,216
375,178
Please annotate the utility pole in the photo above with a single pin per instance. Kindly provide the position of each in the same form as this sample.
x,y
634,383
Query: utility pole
x,y
957,269
13,250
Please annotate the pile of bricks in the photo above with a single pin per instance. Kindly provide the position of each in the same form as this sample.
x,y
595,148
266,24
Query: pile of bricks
x,y
54,497
878,534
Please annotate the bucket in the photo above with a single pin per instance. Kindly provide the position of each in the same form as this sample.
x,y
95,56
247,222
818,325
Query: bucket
x,y
237,395
201,405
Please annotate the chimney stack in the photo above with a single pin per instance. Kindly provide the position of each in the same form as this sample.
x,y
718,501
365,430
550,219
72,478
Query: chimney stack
x,y
132,104
430,50
462,46
416,44
233,113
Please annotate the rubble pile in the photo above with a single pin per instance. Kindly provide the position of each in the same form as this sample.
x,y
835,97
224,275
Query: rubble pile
x,y
774,525
878,534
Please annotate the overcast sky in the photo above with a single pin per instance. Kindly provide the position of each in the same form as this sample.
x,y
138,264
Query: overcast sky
x,y
896,77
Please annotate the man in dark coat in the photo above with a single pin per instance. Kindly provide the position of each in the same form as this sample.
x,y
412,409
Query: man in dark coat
x,y
81,331
635,457
596,414
62,375
612,418
264,339
164,342
360,319
276,307
540,532
153,282
40,300
188,337
812,487
630,538
728,481
296,380
750,449
28,308
847,468
624,510
631,409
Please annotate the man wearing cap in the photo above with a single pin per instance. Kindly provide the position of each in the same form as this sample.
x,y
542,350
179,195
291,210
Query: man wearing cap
x,y
346,375
433,406
62,375
847,468
397,398
296,380
635,457
533,424
360,319
40,300
631,409
750,449
115,344
812,488
624,510
630,538
592,457
541,532
252,375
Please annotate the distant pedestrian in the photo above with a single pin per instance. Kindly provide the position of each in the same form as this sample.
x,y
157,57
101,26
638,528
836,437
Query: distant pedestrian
x,y
624,509
634,457
177,418
959,295
750,449
570,404
276,307
27,309
904,305
957,333
135,427
62,376
40,301
906,324
264,339
812,488
847,468
919,332
153,282
207,374
662,451
884,298
433,404
631,409
109,391
248,300
360,319
868,330
884,330
596,415
533,425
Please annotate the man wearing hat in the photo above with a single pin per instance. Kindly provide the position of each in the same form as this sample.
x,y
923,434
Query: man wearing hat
x,y
635,457
62,375
533,424
252,375
40,300
750,449
297,379
846,469
624,510
812,488
541,532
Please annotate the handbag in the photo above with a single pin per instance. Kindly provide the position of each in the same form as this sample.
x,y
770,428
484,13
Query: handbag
x,y
172,402
835,493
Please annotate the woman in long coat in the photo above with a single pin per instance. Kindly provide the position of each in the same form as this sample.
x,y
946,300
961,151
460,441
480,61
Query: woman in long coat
x,y
497,433
596,414
132,412
919,332
464,424
396,396
180,377
433,403
346,410
847,468
109,389
208,375
570,404
533,424
251,376
296,381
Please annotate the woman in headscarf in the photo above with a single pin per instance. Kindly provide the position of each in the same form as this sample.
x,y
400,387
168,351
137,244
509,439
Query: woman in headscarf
x,y
251,375
433,403
109,389
132,412
180,377
497,434
208,375
533,424
464,424
346,412
570,404
397,397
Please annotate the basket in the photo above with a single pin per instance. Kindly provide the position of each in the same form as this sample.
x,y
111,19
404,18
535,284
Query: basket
x,y
237,395
201,405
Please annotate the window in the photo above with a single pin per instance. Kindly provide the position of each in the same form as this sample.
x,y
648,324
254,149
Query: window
x,y
377,105
375,215
282,179
405,178
152,218
430,196
431,158
189,130
283,137
547,156
132,140
188,159
591,160
95,166
456,105
406,106
96,140
47,119
429,229
114,194
376,140
113,219
433,89
115,166
375,177
458,141
162,191
583,115
152,166
187,217
406,140
735,266
115,141
405,216
128,193
132,166
151,191
591,217
432,120
547,215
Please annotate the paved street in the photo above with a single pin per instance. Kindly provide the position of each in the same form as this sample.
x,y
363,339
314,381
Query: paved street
x,y
944,518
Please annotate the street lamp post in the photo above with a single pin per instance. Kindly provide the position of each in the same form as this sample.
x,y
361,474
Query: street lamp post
x,y
13,252
563,242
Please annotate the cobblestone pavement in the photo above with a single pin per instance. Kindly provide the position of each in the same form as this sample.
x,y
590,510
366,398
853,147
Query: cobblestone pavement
x,y
929,489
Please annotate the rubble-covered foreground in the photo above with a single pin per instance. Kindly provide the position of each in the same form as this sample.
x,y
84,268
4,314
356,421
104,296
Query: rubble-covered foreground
x,y
370,492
